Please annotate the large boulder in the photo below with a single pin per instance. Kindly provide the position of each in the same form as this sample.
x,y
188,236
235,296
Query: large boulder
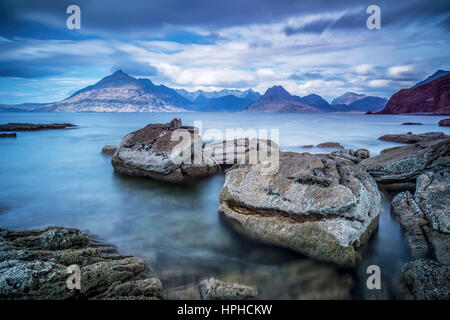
x,y
404,164
319,205
427,280
154,152
34,265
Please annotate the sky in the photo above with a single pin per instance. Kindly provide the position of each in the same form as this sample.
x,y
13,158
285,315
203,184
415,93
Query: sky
x,y
321,47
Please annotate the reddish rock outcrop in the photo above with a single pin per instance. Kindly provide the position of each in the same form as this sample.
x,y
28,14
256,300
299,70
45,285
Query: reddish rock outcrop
x,y
432,97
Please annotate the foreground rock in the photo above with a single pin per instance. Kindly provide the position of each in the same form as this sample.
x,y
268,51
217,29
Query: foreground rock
x,y
402,165
34,126
413,138
8,135
444,122
240,151
213,289
33,265
352,155
427,280
154,153
109,150
318,205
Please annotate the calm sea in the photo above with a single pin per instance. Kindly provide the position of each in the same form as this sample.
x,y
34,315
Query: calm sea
x,y
59,177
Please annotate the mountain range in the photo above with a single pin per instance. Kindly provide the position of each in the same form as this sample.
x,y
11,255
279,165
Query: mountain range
x,y
120,92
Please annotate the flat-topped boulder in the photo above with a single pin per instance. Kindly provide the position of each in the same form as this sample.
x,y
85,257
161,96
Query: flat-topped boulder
x,y
164,152
404,164
34,265
109,149
34,126
317,205
331,145
413,138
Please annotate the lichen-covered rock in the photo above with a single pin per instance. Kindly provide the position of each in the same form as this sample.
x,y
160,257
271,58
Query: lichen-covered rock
x,y
146,289
405,164
153,152
425,216
213,289
33,265
427,280
109,150
433,196
411,220
318,205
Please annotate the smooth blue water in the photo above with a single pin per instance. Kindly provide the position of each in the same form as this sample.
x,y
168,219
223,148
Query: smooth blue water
x,y
59,177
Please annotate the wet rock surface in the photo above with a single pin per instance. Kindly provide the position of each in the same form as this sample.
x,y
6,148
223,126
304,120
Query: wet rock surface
x,y
404,164
34,126
318,205
427,280
149,152
33,265
444,122
214,289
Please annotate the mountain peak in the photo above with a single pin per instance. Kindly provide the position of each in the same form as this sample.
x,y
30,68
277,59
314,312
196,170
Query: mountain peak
x,y
348,97
277,93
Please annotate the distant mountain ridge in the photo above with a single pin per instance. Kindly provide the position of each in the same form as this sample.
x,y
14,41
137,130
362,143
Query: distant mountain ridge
x,y
277,99
347,98
120,92
192,96
434,76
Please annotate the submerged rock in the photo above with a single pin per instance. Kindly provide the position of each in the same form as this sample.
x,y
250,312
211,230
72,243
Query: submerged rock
x,y
329,145
413,138
213,289
151,152
444,122
34,126
8,135
427,280
109,150
318,205
33,265
412,123
404,164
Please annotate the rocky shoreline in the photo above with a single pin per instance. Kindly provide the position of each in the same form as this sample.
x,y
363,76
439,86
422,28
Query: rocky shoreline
x,y
324,206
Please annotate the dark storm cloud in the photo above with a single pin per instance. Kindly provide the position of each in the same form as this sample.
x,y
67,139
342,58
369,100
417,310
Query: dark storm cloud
x,y
143,16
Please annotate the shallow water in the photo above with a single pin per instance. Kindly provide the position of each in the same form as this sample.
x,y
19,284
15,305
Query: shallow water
x,y
59,177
